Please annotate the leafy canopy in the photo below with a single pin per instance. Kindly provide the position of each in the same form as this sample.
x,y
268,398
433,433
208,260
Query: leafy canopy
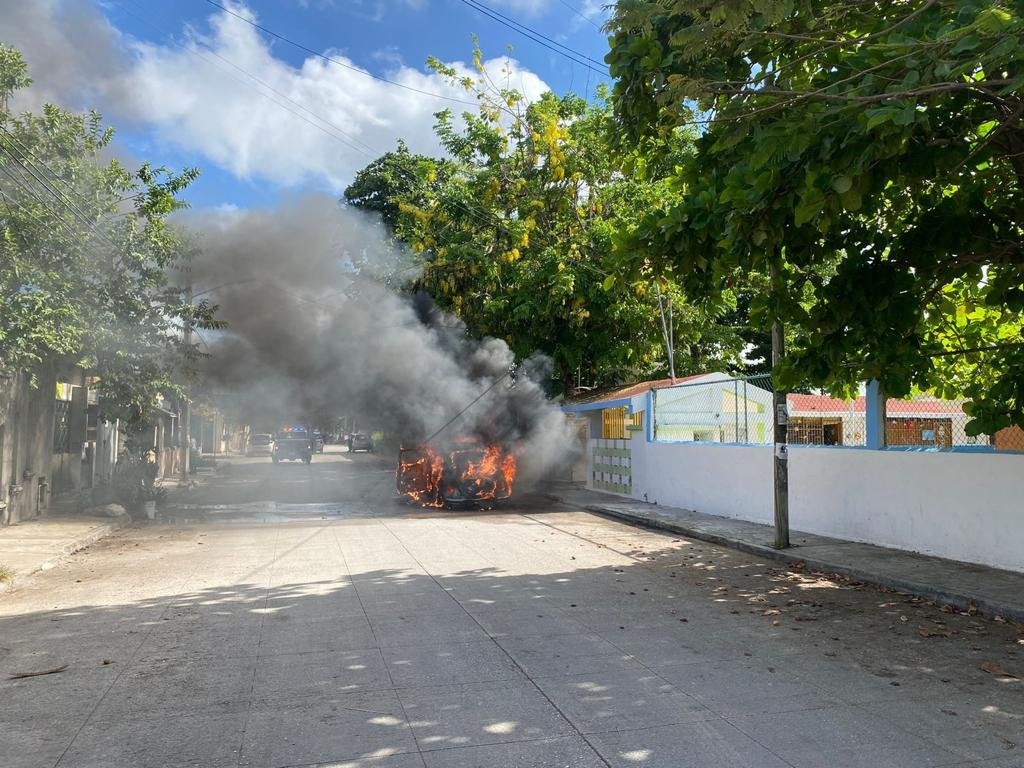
x,y
515,228
871,155
86,256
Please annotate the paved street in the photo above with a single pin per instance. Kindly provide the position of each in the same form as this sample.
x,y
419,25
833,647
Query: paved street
x,y
299,616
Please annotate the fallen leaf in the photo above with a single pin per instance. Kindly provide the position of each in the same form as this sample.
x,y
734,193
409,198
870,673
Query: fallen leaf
x,y
995,668
932,632
772,612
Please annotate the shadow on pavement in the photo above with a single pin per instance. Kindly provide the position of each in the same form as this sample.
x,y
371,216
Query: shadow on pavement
x,y
651,651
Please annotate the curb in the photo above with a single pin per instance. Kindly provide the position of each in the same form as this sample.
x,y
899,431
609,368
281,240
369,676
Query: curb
x,y
959,600
98,533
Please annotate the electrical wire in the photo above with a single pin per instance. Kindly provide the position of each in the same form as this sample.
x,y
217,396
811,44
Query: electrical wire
x,y
481,216
30,190
30,168
58,223
26,153
475,400
334,61
538,37
582,15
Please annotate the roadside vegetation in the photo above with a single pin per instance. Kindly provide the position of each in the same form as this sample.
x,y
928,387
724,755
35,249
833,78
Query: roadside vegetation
x,y
850,172
867,159
89,267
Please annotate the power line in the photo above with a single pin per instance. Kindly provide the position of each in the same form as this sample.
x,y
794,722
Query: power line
x,y
347,139
582,15
59,190
479,215
538,37
337,62
27,187
475,400
58,223
20,156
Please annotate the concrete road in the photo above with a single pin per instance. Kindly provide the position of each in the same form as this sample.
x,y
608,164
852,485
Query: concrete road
x,y
296,616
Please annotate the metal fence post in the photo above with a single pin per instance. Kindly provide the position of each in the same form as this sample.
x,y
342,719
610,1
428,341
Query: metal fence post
x,y
874,412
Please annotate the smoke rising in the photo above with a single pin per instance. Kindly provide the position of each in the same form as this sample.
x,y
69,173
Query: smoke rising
x,y
316,329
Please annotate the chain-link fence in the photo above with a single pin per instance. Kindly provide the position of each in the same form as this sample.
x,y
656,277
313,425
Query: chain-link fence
x,y
739,410
723,410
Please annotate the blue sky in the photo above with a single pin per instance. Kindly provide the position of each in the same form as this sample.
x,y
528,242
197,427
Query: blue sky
x,y
186,83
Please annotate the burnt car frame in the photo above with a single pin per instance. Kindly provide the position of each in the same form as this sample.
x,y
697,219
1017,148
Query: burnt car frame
x,y
466,474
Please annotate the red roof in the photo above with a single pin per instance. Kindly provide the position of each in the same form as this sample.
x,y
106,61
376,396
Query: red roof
x,y
801,404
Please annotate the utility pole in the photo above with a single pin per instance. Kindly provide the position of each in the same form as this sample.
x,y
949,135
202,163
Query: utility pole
x,y
781,432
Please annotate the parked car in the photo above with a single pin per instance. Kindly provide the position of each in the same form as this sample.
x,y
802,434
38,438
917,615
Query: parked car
x,y
360,441
259,445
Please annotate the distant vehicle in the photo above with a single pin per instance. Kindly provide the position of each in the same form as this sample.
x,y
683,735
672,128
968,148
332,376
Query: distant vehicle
x,y
318,442
292,444
259,445
360,441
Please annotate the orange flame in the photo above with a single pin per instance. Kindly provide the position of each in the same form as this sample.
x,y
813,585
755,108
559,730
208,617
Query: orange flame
x,y
466,474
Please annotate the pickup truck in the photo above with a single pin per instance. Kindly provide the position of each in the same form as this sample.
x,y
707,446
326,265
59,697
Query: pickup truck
x,y
292,445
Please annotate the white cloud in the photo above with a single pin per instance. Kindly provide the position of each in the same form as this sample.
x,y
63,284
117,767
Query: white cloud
x,y
528,7
200,96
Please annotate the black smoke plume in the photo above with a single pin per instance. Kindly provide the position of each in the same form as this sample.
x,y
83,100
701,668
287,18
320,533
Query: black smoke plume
x,y
318,326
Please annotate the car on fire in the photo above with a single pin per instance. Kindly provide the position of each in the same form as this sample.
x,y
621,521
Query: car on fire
x,y
465,473
292,444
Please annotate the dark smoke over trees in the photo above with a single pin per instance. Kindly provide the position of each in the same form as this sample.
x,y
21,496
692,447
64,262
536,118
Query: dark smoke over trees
x,y
317,325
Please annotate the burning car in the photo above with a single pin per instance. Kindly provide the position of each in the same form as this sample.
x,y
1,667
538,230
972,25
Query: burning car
x,y
465,473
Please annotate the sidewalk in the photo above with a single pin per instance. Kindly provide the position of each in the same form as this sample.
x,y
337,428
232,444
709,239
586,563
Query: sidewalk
x,y
991,591
40,544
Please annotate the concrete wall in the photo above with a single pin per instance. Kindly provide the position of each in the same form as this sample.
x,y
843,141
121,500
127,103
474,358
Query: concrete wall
x,y
963,506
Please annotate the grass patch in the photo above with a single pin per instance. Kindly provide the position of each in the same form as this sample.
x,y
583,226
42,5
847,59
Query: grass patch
x,y
6,574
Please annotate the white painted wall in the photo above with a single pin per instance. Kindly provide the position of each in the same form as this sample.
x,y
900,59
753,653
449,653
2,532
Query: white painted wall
x,y
963,506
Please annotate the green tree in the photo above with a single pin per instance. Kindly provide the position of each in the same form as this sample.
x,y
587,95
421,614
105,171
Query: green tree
x,y
515,232
396,178
870,157
86,255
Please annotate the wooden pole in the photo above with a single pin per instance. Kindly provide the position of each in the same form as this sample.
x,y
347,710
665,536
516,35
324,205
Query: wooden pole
x,y
781,460
781,431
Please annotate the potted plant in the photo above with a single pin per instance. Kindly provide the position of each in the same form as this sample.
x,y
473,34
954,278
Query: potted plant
x,y
135,481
